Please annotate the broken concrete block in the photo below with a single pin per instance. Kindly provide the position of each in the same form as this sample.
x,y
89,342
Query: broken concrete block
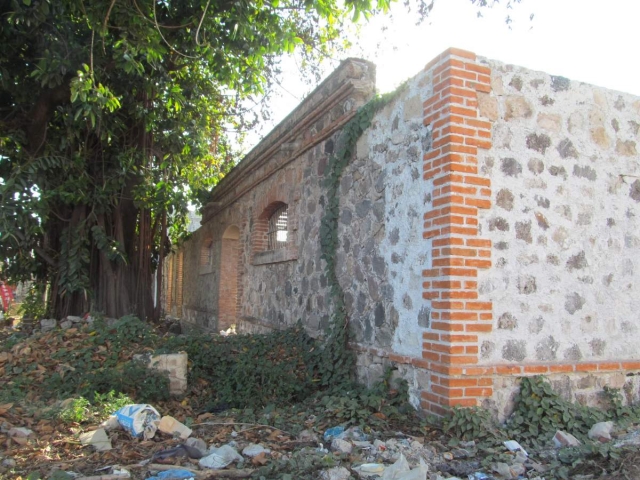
x,y
171,426
98,439
601,431
564,439
341,446
173,364
47,324
66,324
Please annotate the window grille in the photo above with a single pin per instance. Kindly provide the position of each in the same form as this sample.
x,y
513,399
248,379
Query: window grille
x,y
277,233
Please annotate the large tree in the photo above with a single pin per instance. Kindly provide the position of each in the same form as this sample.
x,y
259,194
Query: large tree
x,y
112,118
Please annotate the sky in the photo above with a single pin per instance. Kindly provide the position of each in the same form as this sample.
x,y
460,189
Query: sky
x,y
593,41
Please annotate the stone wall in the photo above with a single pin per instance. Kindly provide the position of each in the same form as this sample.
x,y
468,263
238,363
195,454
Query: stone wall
x,y
565,226
488,230
273,288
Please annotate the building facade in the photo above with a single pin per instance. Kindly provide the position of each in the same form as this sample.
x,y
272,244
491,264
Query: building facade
x,y
488,229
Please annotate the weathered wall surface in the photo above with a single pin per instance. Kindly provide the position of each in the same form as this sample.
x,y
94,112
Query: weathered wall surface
x,y
565,224
488,229
277,288
381,254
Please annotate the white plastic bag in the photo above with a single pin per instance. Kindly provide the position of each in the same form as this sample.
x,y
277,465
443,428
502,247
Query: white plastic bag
x,y
139,420
219,458
401,471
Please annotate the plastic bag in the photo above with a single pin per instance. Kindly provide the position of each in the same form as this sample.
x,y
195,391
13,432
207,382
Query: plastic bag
x,y
174,474
401,471
139,420
219,458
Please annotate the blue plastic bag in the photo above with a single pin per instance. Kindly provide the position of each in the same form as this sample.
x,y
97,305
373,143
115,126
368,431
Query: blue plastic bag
x,y
174,474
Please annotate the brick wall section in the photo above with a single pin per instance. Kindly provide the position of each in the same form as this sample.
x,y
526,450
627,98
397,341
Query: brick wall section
x,y
451,228
228,283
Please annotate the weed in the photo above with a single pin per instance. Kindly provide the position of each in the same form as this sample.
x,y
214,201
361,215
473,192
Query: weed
x,y
34,305
76,412
81,410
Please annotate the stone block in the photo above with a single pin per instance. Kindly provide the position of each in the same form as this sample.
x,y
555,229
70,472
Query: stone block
x,y
173,364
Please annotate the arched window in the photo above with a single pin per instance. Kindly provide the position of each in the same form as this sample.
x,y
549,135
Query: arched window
x,y
278,229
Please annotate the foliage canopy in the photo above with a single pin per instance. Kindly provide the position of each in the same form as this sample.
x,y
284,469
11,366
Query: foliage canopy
x,y
113,116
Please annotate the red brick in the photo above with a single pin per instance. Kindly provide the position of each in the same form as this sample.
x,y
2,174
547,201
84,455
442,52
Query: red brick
x,y
609,366
478,392
430,295
477,181
448,284
462,402
463,294
474,67
478,202
458,338
448,262
434,272
477,263
478,242
508,369
560,368
586,367
446,391
475,327
460,382
447,327
479,371
459,359
478,305
459,272
536,369
631,365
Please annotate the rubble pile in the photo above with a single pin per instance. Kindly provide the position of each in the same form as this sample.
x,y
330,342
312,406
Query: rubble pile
x,y
178,439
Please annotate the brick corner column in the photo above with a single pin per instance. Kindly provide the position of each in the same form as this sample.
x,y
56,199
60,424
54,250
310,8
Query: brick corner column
x,y
459,191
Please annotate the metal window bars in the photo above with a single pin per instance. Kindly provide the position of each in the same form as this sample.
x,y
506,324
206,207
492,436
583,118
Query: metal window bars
x,y
277,233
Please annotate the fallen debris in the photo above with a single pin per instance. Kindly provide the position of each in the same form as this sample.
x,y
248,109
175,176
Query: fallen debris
x,y
564,439
173,427
98,439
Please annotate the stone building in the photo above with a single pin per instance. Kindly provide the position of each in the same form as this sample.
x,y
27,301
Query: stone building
x,y
488,229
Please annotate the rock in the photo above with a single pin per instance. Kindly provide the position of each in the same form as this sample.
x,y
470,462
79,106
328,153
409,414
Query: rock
x,y
198,444
20,435
308,436
505,470
20,432
564,439
97,439
337,473
379,445
48,324
74,319
447,456
517,469
9,462
341,446
66,325
253,450
171,426
601,431
460,453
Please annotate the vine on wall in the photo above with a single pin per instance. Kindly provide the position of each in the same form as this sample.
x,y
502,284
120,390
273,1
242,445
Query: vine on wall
x,y
338,361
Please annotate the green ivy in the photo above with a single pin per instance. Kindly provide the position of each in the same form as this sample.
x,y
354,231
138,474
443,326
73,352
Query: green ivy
x,y
339,361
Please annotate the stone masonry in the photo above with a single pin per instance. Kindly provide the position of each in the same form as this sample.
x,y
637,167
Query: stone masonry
x,y
488,230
